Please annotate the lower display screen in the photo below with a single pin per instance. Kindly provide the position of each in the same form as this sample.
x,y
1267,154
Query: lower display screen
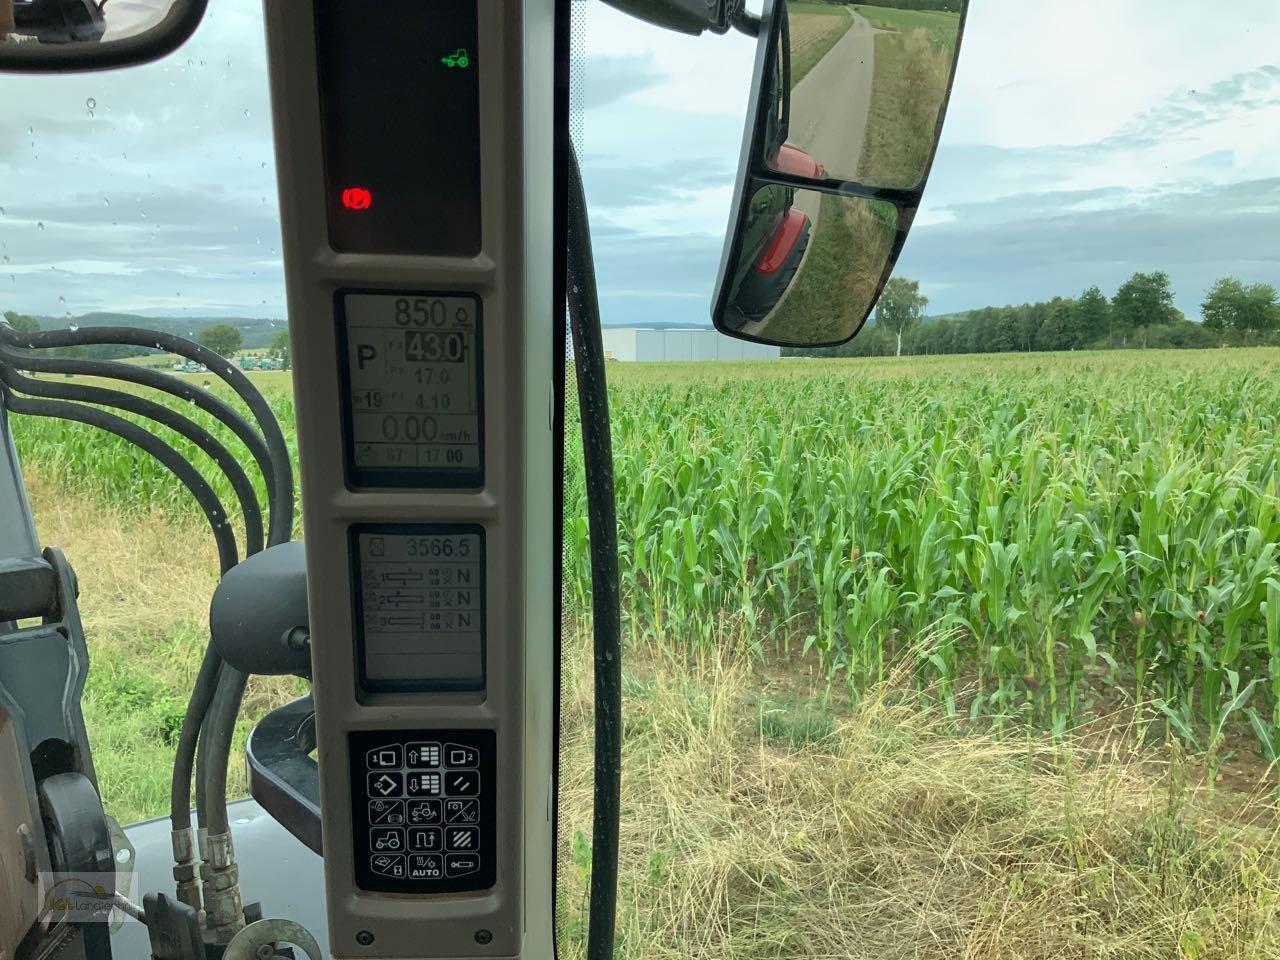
x,y
413,398
419,595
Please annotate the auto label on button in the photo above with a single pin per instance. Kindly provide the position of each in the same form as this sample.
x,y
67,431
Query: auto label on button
x,y
425,866
461,864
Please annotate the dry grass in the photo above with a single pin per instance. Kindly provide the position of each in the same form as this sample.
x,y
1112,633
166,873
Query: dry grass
x,y
761,820
146,579
883,834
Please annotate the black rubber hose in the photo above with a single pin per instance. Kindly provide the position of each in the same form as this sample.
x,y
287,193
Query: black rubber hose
x,y
215,746
280,483
597,451
165,416
281,526
169,457
167,383
202,693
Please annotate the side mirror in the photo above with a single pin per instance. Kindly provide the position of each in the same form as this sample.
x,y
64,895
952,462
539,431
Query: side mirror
x,y
847,109
54,36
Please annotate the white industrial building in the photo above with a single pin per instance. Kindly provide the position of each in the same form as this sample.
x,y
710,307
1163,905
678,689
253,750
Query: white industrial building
x,y
651,344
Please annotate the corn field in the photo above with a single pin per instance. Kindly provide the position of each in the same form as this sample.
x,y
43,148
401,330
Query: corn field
x,y
1030,535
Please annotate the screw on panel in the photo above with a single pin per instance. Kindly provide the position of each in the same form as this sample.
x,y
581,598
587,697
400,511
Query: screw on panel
x,y
483,937
364,938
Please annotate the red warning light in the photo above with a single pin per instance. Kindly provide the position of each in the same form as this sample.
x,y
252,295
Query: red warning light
x,y
357,198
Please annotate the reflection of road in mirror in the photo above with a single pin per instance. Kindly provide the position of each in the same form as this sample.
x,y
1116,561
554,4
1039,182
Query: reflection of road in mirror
x,y
809,271
831,99
868,86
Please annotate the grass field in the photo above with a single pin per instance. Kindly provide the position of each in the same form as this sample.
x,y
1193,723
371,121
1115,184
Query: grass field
x,y
814,29
913,60
941,26
923,655
838,278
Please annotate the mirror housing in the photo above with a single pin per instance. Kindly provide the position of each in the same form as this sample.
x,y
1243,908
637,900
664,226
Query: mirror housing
x,y
845,117
683,16
66,36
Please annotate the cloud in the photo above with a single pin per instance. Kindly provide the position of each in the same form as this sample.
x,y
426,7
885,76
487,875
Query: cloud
x,y
1087,139
1016,249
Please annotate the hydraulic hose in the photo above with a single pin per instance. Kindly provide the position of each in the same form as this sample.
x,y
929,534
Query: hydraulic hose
x,y
281,527
174,386
163,415
215,747
279,477
169,457
597,449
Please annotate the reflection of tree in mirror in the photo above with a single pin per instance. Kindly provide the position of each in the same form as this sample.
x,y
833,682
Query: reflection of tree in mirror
x,y
833,289
913,55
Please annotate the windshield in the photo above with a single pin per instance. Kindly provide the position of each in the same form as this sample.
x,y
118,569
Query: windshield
x,y
959,640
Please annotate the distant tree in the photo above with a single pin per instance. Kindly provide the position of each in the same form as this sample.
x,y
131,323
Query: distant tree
x,y
221,338
900,308
21,322
1092,317
1144,300
279,347
1058,331
1230,305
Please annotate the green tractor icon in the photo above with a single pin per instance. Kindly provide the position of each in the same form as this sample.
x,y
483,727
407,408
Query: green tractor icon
x,y
458,59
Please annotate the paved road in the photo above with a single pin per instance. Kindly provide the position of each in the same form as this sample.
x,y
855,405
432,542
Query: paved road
x,y
829,107
829,110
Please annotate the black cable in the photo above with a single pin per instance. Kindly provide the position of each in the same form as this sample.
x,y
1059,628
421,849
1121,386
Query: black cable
x,y
167,383
169,457
597,450
165,416
281,526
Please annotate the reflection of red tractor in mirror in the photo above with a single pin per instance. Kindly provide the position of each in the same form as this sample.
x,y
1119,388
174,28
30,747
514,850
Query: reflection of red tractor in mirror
x,y
774,239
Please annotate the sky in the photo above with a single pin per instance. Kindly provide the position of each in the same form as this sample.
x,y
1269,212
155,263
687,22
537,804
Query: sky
x,y
1086,140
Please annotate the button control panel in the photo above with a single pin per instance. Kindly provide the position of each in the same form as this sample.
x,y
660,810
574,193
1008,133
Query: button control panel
x,y
424,806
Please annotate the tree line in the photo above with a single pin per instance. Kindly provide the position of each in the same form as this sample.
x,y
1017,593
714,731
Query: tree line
x,y
1141,314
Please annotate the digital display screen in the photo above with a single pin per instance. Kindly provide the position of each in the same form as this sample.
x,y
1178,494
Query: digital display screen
x,y
419,598
412,389
400,111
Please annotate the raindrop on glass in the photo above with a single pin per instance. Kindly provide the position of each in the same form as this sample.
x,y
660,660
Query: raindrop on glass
x,y
91,103
106,201
246,112
39,224
73,327
62,299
